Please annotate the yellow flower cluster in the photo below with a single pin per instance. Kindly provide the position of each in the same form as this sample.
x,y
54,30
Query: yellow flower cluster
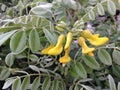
x,y
94,39
59,47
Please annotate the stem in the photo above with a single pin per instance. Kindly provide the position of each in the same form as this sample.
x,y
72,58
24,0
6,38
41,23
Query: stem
x,y
77,54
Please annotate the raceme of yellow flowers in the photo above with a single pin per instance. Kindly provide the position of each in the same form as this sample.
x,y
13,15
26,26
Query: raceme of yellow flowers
x,y
59,47
93,39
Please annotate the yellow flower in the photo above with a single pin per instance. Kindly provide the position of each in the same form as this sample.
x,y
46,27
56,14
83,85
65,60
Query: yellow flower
x,y
59,46
86,33
85,48
97,41
94,39
66,58
45,51
96,35
91,54
69,40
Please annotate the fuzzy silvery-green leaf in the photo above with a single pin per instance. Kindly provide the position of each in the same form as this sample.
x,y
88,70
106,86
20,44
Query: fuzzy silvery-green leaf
x,y
111,83
73,72
20,5
72,3
18,42
50,36
91,15
62,85
34,68
8,83
55,84
111,7
34,41
4,74
76,87
80,70
9,29
46,84
116,70
9,59
118,86
33,57
25,83
5,36
36,83
104,57
43,10
100,9
116,56
87,87
16,85
91,62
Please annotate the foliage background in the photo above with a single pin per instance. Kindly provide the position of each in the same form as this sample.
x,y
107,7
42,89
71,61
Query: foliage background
x,y
27,27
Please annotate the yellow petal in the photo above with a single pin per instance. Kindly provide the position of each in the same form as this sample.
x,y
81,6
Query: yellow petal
x,y
59,47
86,33
65,59
55,50
60,41
85,48
45,51
91,54
96,35
96,41
68,41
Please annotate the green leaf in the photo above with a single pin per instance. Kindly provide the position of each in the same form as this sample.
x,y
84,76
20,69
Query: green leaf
x,y
4,74
100,9
91,15
46,84
20,5
18,42
5,36
16,84
43,10
9,28
9,59
34,41
71,87
111,7
104,57
21,55
33,57
116,56
116,70
8,83
73,72
62,85
111,83
35,84
55,84
80,70
87,87
76,87
34,68
72,3
118,86
25,83
50,37
91,62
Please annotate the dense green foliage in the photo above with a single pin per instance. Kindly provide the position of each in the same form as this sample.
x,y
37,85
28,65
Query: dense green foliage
x,y
29,26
